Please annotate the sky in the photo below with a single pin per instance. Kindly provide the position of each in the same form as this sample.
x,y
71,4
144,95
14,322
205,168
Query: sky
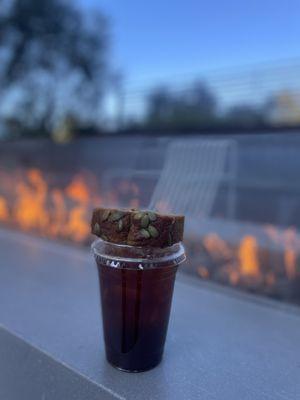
x,y
156,39
171,42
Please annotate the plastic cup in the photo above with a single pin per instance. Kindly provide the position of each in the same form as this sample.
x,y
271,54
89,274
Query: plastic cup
x,y
136,287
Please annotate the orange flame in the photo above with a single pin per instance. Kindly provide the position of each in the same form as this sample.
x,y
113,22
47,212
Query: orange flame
x,y
55,212
77,226
59,216
217,246
203,272
248,256
29,208
234,275
291,244
4,213
78,191
290,253
51,212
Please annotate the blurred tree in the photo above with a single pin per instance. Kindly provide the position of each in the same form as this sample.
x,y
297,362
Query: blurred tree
x,y
245,116
53,62
192,108
160,106
283,108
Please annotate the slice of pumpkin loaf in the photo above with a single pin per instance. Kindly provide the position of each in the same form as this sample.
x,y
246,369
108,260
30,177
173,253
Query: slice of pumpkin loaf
x,y
137,228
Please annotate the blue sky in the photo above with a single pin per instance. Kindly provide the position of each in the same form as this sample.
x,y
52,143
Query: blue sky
x,y
175,42
158,39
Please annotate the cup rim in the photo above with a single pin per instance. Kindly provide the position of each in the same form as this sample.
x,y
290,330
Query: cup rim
x,y
173,255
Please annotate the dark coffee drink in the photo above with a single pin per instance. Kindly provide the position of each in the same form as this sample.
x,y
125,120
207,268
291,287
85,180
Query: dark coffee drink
x,y
136,297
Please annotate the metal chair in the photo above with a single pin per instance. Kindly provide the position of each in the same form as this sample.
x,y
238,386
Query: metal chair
x,y
192,174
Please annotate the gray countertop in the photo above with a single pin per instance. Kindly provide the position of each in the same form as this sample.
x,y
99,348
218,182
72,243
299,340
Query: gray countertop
x,y
219,346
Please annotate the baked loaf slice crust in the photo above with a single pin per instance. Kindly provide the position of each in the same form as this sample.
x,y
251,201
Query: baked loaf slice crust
x,y
137,228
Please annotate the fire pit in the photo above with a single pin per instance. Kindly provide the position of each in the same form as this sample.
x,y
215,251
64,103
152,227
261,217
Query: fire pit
x,y
36,197
260,259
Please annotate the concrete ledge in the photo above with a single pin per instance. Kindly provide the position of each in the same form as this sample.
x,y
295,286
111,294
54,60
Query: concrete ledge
x,y
29,373
219,346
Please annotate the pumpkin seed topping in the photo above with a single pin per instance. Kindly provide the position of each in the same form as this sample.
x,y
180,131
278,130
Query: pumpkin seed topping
x,y
105,215
145,221
152,216
97,229
120,226
115,216
153,231
138,216
144,233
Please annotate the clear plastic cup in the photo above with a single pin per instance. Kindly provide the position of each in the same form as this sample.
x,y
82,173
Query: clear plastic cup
x,y
136,287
